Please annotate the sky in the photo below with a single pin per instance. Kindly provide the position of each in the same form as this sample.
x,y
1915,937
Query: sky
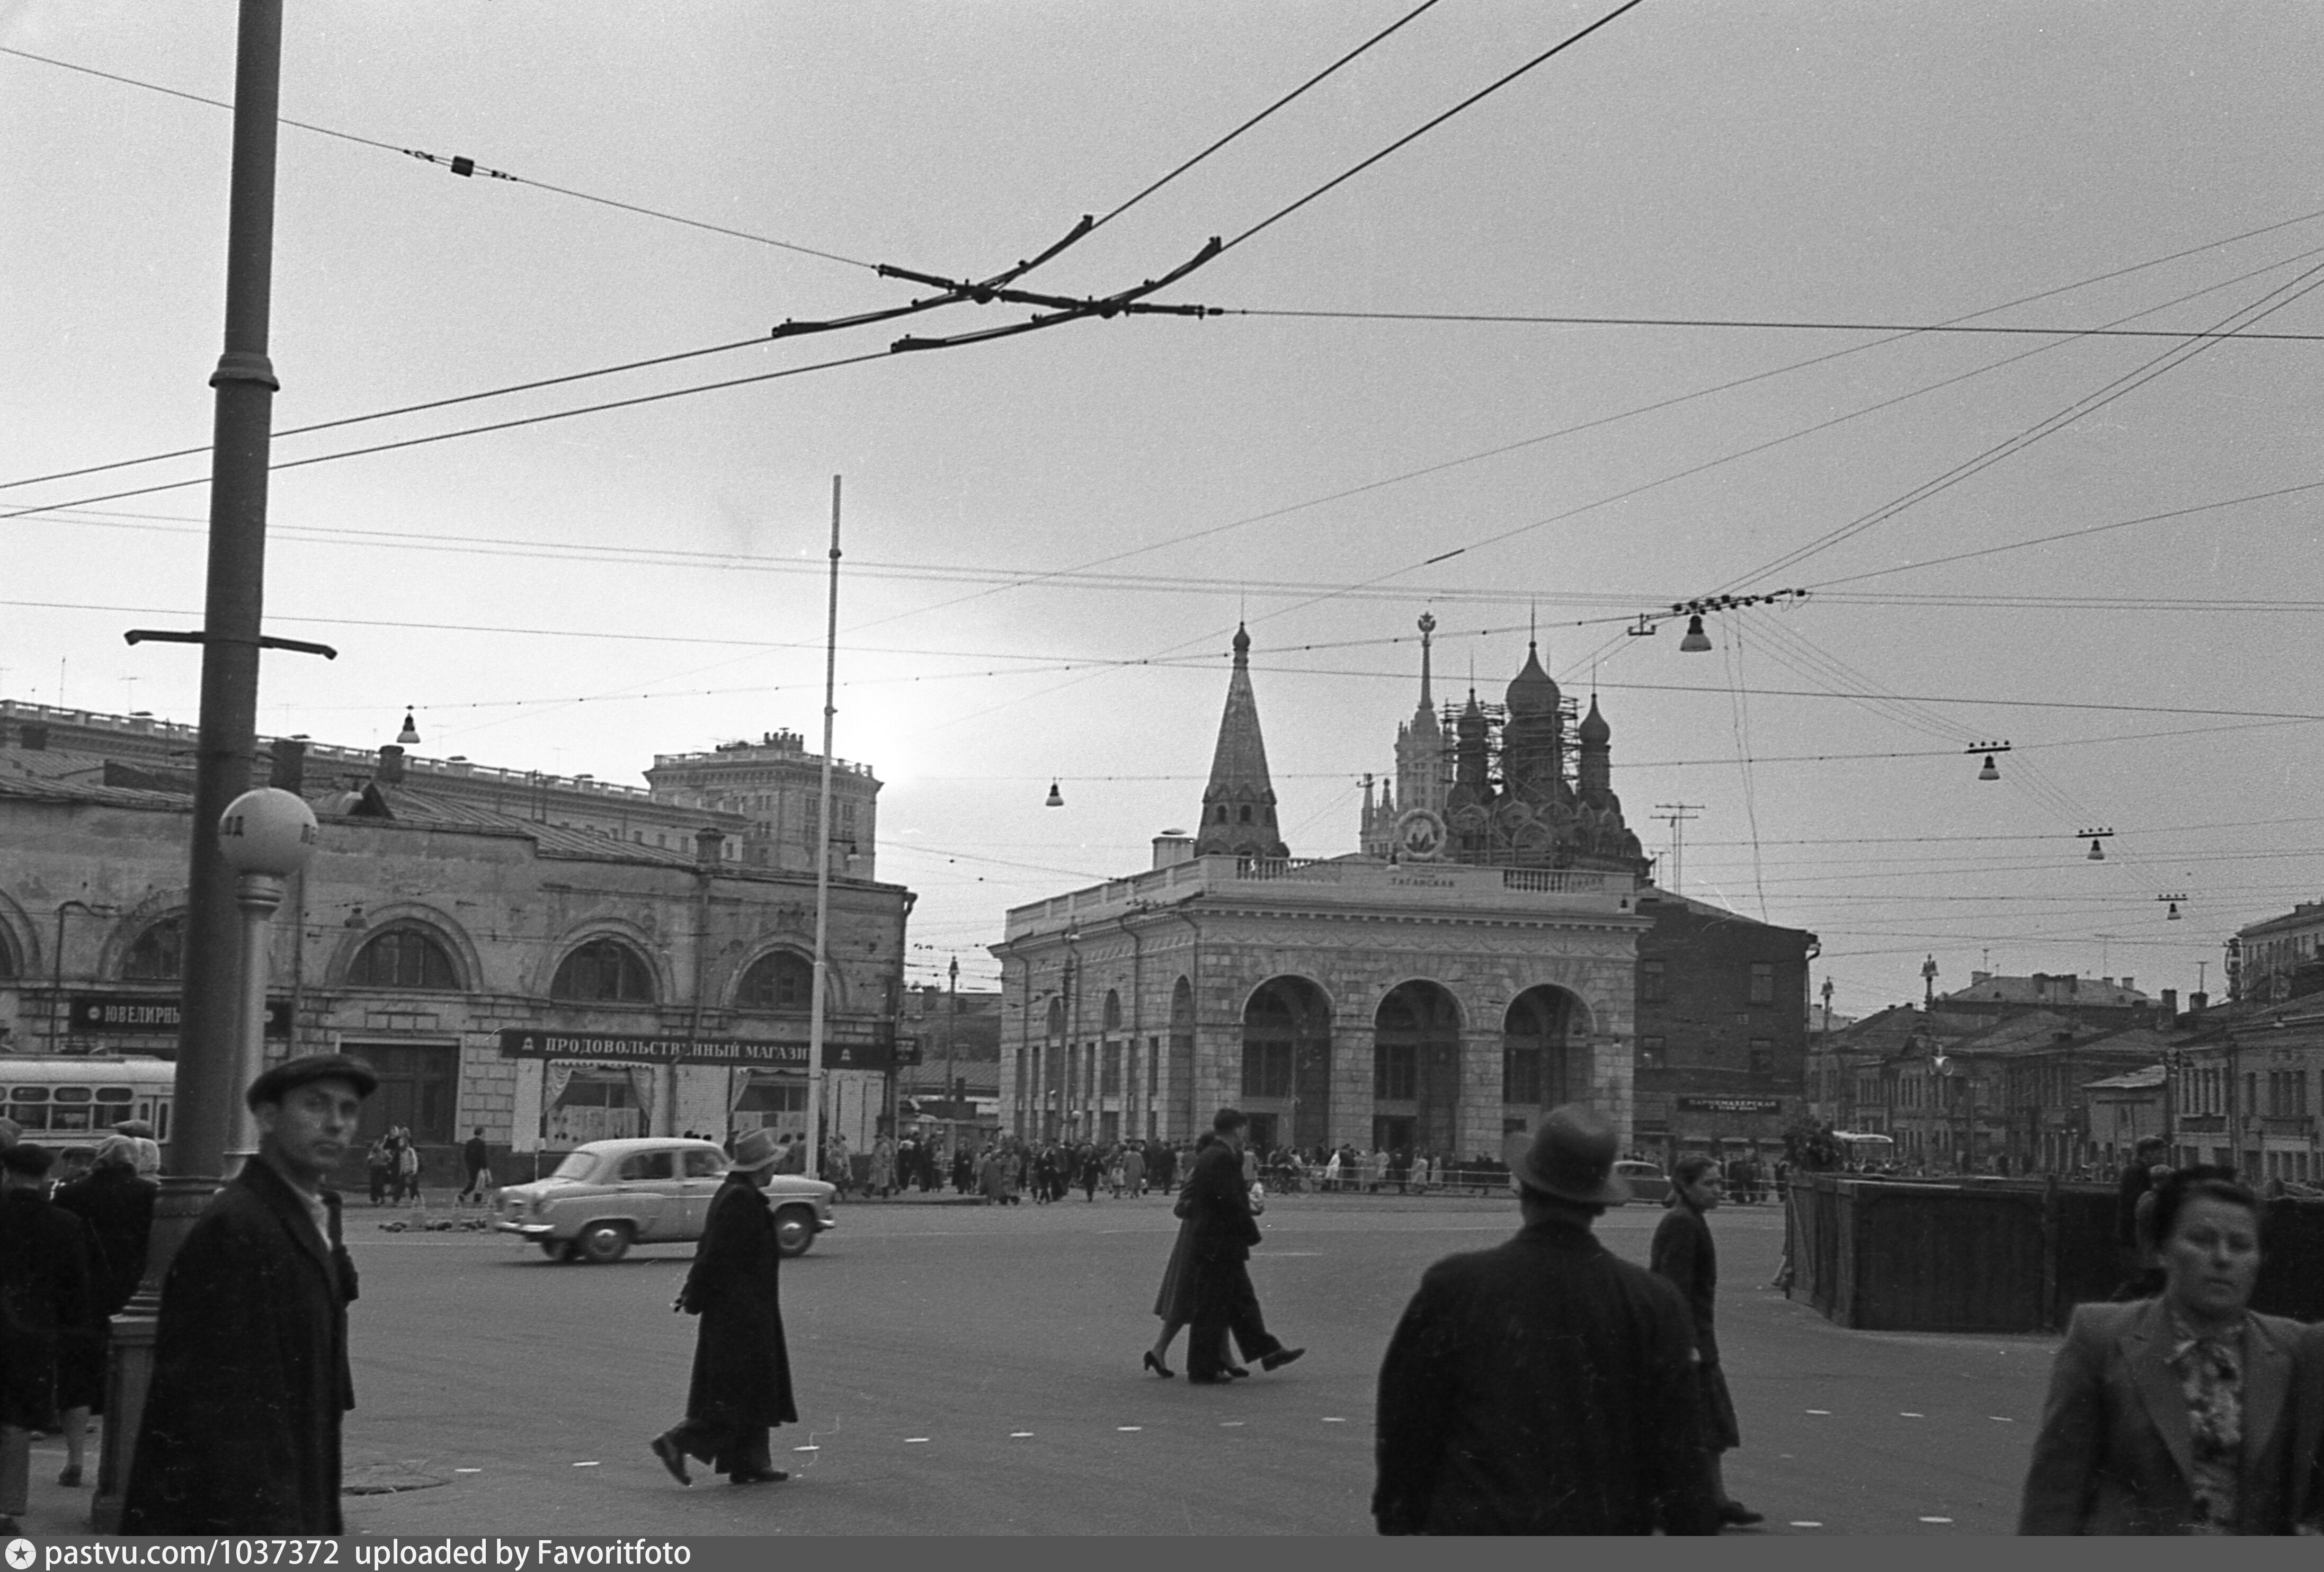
x,y
2094,547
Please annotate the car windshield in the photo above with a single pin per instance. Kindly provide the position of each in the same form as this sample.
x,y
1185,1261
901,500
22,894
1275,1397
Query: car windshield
x,y
576,1165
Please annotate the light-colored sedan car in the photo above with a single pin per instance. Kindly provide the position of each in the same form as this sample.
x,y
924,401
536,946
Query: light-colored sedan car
x,y
1646,1181
609,1195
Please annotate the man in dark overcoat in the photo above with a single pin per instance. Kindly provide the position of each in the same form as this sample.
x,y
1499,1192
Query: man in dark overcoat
x,y
741,1383
251,1380
115,1204
1221,1231
1543,1386
44,1295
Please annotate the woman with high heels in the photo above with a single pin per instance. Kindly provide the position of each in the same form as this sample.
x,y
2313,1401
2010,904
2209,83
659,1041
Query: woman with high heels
x,y
1175,1302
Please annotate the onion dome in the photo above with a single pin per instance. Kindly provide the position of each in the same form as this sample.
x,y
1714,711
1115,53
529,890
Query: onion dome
x,y
1532,691
1594,731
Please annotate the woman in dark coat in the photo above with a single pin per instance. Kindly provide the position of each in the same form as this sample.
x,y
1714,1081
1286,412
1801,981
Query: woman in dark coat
x,y
1683,1254
44,1293
116,1206
741,1383
1176,1302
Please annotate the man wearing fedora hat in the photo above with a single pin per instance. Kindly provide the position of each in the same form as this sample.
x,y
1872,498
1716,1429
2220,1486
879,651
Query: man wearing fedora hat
x,y
742,1383
251,1379
1543,1386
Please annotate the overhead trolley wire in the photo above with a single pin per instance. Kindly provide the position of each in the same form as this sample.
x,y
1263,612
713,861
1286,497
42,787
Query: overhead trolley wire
x,y
472,430
1527,320
2275,300
1280,103
1415,134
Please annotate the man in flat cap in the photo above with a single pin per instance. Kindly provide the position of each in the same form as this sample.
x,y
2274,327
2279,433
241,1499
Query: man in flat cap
x,y
1542,1386
240,1432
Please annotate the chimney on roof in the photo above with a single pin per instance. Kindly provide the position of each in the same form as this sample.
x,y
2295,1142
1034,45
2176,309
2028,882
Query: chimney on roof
x,y
2171,1004
2195,1003
2128,986
289,771
391,765
1173,847
709,845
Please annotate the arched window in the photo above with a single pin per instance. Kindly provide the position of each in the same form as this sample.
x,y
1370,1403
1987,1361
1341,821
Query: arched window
x,y
1056,1018
779,981
1246,814
10,966
159,954
403,957
1112,1010
605,971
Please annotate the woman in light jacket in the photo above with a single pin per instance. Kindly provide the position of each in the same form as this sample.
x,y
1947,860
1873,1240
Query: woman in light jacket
x,y
2185,1413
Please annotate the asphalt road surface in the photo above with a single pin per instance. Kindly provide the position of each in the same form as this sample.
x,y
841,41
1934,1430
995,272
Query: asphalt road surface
x,y
969,1370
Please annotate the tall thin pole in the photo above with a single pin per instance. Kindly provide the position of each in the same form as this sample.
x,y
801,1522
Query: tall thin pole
x,y
233,606
823,863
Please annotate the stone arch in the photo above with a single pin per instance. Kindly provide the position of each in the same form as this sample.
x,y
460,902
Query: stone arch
x,y
1286,1061
130,924
467,965
779,970
20,941
1545,1051
606,969
648,948
1417,1069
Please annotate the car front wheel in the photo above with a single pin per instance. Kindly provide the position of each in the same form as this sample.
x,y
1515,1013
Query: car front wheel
x,y
794,1230
603,1244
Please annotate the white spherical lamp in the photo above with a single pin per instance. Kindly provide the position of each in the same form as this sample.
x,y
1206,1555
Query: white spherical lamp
x,y
267,831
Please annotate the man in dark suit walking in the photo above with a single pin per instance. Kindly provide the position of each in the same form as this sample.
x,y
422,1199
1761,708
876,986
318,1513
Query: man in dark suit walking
x,y
742,1383
1219,1206
251,1380
1545,1387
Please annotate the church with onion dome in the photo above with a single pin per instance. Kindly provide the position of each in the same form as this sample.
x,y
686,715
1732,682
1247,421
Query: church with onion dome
x,y
1482,958
1522,784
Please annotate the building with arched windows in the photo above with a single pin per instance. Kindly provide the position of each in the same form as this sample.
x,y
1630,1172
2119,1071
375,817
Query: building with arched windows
x,y
1474,965
550,982
1400,998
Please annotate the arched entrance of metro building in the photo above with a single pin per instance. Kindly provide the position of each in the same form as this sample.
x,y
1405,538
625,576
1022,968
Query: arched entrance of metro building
x,y
1286,1063
1544,1056
1417,1070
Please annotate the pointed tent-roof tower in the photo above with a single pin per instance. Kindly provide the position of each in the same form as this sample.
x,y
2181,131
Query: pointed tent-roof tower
x,y
1239,804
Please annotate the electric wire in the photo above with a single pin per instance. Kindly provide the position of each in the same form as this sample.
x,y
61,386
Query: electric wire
x,y
1414,136
2129,381
1279,104
475,430
402,409
436,159
1534,319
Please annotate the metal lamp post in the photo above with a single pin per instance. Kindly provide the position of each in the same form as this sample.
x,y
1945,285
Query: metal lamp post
x,y
265,836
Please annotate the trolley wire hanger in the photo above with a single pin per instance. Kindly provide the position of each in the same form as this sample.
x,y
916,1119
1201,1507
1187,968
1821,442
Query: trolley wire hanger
x,y
1061,309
